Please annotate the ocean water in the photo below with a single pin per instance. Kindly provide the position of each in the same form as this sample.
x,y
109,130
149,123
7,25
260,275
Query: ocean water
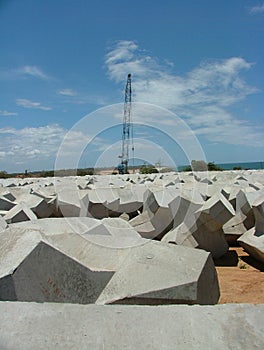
x,y
249,165
230,166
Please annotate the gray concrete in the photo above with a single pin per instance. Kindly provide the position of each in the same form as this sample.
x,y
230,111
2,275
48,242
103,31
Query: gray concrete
x,y
20,212
234,228
253,243
6,203
26,326
253,240
62,259
32,269
3,224
157,273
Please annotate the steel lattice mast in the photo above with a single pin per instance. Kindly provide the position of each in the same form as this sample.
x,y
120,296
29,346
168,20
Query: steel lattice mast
x,y
126,126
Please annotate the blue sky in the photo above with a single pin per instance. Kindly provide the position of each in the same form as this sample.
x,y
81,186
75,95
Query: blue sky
x,y
63,64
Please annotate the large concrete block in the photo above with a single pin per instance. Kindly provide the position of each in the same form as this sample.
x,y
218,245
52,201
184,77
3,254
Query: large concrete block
x,y
215,212
46,274
56,259
183,210
157,273
143,225
244,202
100,244
181,235
40,206
156,203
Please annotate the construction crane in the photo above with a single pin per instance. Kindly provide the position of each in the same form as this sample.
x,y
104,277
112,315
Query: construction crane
x,y
127,135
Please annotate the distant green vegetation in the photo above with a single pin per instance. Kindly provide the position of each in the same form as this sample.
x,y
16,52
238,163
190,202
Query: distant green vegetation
x,y
213,167
148,169
49,173
4,175
237,168
202,166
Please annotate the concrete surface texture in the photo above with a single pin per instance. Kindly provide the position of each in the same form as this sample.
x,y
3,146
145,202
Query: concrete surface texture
x,y
71,326
32,269
156,273
253,240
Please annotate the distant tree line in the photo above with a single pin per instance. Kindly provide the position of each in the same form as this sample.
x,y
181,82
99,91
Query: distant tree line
x,y
49,173
200,165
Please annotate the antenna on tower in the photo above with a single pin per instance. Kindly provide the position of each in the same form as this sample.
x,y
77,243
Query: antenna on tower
x,y
127,135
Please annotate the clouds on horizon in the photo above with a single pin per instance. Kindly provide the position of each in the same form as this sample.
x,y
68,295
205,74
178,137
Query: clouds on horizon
x,y
203,97
36,144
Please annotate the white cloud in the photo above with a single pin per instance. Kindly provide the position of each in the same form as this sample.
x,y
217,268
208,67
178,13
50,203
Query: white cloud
x,y
40,145
257,9
33,71
7,114
30,104
66,92
203,97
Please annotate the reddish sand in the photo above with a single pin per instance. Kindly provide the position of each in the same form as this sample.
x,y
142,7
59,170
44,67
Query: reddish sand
x,y
241,278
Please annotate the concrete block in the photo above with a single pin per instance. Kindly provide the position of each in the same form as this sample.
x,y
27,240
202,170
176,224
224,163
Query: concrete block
x,y
6,204
157,273
244,202
46,274
157,205
234,228
181,235
253,240
20,212
62,260
253,243
50,325
143,225
215,212
183,209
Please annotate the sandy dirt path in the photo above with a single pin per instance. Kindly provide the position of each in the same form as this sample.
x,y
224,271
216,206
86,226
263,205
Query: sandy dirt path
x,y
241,278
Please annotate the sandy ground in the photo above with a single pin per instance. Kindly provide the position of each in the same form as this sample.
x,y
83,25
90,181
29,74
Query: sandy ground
x,y
241,278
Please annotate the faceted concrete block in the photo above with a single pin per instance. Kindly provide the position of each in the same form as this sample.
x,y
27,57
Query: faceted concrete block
x,y
157,205
21,212
69,202
215,212
143,225
6,204
40,206
181,235
253,240
183,210
253,243
157,273
55,260
234,228
244,202
46,274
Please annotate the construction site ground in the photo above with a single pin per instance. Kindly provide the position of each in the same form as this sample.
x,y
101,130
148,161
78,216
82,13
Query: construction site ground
x,y
241,278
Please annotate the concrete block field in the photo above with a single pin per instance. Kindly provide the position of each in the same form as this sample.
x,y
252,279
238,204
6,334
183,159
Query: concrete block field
x,y
146,242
